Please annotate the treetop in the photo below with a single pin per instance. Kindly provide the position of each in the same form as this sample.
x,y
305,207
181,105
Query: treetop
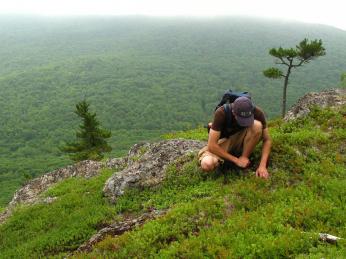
x,y
304,52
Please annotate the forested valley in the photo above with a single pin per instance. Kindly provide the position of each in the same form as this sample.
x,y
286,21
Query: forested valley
x,y
142,76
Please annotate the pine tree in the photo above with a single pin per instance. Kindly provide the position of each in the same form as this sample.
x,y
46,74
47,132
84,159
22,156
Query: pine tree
x,y
293,58
91,138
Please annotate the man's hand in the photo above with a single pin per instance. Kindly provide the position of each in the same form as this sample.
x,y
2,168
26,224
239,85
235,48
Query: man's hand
x,y
243,162
262,172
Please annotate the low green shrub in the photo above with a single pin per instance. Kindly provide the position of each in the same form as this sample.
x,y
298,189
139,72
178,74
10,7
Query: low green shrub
x,y
49,229
198,134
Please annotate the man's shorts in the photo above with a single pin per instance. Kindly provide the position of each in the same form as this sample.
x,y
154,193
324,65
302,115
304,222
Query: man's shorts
x,y
233,144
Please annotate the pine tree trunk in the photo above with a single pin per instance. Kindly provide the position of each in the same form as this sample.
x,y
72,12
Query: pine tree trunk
x,y
284,97
284,94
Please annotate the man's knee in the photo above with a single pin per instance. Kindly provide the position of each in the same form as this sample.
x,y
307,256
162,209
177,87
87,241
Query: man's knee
x,y
209,163
257,128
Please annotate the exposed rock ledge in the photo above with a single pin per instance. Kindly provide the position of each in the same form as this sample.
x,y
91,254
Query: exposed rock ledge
x,y
118,228
146,165
30,192
328,98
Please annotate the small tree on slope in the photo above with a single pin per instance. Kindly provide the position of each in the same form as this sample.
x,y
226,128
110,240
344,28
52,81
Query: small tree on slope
x,y
91,139
293,58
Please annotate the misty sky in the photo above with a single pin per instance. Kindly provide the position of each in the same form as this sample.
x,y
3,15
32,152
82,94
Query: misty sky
x,y
331,12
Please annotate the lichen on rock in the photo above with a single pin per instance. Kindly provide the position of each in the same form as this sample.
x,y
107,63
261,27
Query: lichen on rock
x,y
147,164
30,192
328,98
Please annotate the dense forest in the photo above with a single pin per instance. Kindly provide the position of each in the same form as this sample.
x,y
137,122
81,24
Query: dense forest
x,y
143,77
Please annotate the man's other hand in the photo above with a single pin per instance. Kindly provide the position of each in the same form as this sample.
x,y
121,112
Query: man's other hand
x,y
262,172
243,162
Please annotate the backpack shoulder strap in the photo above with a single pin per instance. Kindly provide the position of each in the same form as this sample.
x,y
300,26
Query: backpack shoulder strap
x,y
228,113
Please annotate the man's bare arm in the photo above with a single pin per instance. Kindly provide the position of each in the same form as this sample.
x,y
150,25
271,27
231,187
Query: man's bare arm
x,y
214,148
267,143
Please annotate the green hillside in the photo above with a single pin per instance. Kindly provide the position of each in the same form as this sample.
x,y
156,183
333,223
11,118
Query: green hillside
x,y
236,216
142,76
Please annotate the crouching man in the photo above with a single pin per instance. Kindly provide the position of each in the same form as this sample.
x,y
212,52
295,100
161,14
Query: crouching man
x,y
234,137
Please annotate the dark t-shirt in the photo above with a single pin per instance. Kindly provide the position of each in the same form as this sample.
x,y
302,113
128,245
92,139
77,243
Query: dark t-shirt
x,y
219,123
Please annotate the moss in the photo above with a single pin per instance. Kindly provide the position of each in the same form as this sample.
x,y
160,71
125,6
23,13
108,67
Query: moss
x,y
196,134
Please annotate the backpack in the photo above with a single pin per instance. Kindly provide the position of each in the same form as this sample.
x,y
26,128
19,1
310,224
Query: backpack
x,y
229,97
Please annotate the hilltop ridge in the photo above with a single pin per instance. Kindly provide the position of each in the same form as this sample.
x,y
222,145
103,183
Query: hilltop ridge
x,y
212,215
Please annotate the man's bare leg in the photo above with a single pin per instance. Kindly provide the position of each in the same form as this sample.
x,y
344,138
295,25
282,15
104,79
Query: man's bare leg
x,y
209,162
253,136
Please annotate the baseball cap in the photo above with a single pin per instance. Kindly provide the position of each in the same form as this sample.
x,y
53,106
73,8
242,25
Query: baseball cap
x,y
244,111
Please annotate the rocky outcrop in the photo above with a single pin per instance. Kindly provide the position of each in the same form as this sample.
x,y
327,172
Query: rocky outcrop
x,y
5,214
144,166
147,164
118,228
328,98
30,192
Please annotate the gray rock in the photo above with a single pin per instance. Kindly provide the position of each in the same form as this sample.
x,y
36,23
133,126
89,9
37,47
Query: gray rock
x,y
30,192
147,164
118,228
328,98
116,163
5,214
